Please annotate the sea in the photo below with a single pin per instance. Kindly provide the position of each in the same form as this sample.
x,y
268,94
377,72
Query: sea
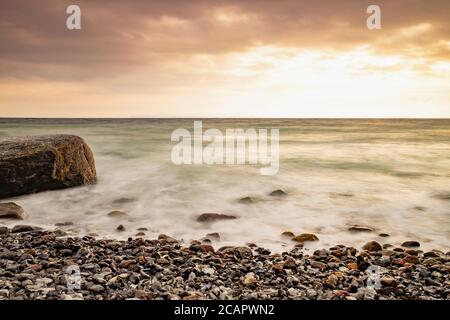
x,y
390,175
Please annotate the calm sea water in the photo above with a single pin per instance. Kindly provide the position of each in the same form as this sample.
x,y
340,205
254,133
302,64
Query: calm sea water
x,y
391,175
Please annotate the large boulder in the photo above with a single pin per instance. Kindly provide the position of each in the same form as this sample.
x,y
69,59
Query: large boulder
x,y
11,210
37,163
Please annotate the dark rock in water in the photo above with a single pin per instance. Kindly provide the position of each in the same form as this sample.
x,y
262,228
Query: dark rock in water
x,y
4,230
210,217
372,246
64,224
38,163
213,236
384,235
442,195
246,200
22,228
142,229
305,237
288,234
120,228
357,228
117,214
140,234
409,244
11,210
278,193
122,201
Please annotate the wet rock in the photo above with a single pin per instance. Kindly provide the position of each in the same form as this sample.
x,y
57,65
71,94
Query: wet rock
x,y
211,217
117,214
120,228
3,230
304,237
431,254
213,236
122,200
358,228
289,263
38,163
64,224
288,234
278,193
384,235
140,234
166,238
412,259
318,265
22,228
142,229
430,262
97,288
442,195
372,246
246,200
409,244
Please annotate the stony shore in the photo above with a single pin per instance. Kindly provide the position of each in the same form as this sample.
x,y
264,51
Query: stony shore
x,y
34,264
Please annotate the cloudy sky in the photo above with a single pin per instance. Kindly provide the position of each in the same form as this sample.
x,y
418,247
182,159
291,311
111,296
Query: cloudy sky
x,y
225,58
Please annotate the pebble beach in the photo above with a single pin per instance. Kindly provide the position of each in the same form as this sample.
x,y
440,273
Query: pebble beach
x,y
34,264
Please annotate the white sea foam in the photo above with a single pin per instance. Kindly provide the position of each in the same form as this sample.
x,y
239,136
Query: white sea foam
x,y
383,174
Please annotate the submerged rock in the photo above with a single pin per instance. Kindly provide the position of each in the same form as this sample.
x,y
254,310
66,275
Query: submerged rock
x,y
246,200
278,193
117,214
38,163
64,224
11,210
120,228
210,217
357,228
213,236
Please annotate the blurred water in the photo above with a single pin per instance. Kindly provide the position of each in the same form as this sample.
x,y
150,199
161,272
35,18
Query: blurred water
x,y
387,174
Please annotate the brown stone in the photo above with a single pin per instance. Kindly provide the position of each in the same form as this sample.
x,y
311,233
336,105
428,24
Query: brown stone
x,y
388,282
352,266
412,259
318,265
305,237
288,234
38,163
372,246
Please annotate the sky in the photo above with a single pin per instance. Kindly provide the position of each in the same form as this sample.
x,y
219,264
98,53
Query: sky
x,y
225,58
